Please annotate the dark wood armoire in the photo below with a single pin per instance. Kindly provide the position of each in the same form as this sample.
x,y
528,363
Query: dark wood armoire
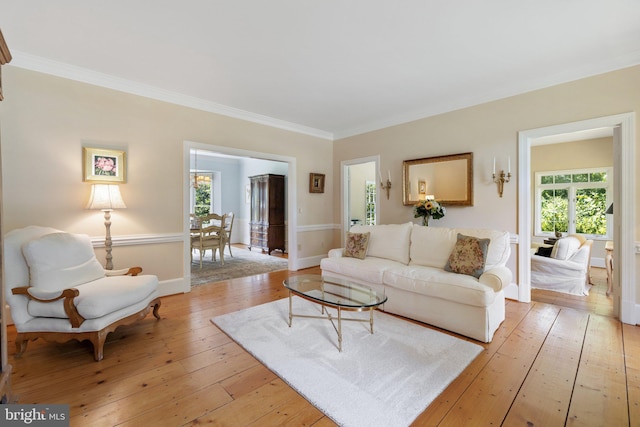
x,y
267,212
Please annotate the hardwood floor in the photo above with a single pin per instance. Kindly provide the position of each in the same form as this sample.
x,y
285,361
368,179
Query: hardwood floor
x,y
548,365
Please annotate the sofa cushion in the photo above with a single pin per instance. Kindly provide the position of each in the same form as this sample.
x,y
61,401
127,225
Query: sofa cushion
x,y
468,256
101,297
565,248
435,282
389,241
431,246
368,270
356,245
61,260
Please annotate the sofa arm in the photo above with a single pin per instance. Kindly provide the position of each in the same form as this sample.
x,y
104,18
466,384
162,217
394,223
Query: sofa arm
x,y
336,253
497,278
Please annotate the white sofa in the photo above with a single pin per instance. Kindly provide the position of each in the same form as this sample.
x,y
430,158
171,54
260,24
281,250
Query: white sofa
x,y
406,263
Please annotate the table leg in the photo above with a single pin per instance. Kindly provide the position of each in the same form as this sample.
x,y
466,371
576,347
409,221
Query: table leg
x,y
371,318
290,310
608,260
339,329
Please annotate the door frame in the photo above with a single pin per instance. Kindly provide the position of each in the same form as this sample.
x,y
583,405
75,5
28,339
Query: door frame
x,y
624,199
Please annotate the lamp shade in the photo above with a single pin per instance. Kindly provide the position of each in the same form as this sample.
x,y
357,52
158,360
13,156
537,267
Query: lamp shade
x,y
105,197
610,210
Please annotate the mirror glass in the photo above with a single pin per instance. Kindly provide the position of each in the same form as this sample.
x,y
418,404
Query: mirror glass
x,y
447,179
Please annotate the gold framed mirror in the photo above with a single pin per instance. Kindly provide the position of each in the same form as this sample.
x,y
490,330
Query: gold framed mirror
x,y
447,179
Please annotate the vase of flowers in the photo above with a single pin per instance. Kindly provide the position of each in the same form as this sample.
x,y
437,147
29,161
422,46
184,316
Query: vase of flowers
x,y
427,209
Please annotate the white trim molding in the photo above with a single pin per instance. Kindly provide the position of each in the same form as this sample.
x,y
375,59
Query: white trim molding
x,y
139,239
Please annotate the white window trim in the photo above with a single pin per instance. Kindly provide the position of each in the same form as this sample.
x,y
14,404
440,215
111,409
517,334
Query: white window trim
x,y
572,187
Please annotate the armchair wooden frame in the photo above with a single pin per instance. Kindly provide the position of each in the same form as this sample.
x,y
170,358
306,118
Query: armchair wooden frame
x,y
97,338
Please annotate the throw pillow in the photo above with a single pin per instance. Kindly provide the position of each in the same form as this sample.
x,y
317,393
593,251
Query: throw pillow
x,y
356,245
468,256
544,251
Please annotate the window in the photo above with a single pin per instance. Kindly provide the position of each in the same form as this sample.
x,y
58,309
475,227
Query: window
x,y
202,194
370,203
573,202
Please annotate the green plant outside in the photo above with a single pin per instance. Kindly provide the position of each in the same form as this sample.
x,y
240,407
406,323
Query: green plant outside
x,y
590,211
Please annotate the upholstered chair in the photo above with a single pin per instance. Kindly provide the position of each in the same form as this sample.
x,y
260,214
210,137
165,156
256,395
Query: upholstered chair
x,y
566,269
58,291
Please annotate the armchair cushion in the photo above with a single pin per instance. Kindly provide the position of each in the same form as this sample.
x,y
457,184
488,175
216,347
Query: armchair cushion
x,y
565,247
100,297
59,261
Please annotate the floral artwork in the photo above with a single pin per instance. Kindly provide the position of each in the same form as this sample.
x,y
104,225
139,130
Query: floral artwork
x,y
103,165
106,166
427,209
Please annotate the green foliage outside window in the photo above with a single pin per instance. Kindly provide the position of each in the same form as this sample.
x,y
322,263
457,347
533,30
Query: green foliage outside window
x,y
203,199
370,203
555,211
591,204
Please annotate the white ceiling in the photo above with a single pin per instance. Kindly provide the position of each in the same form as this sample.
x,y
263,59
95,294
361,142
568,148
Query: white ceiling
x,y
331,68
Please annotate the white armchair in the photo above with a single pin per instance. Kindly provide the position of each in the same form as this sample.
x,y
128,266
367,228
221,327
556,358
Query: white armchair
x,y
58,291
567,269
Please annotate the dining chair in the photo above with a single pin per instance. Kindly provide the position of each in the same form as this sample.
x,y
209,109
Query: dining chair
x,y
228,227
211,236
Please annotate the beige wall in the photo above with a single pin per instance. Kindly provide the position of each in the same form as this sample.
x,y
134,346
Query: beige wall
x,y
45,120
489,130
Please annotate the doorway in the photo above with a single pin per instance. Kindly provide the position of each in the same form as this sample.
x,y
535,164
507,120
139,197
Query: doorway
x,y
236,175
622,127
360,195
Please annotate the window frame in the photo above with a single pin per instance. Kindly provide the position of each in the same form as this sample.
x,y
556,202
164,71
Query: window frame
x,y
572,188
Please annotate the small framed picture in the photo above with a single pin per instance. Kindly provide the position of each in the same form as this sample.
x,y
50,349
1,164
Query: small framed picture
x,y
316,183
422,187
102,165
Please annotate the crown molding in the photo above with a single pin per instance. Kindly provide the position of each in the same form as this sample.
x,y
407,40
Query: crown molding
x,y
85,75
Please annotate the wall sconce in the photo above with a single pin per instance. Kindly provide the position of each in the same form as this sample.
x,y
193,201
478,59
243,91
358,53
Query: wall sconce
x,y
106,197
388,186
502,178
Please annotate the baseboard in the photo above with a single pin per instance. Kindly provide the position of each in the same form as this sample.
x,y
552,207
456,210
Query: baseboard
x,y
174,286
308,262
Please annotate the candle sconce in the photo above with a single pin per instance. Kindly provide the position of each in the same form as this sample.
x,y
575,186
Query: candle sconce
x,y
386,187
502,177
500,180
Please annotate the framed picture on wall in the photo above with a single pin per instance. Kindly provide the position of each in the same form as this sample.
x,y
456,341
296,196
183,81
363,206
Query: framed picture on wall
x,y
422,187
316,183
103,165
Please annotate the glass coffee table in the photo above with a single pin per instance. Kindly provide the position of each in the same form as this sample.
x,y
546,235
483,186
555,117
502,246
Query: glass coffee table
x,y
335,293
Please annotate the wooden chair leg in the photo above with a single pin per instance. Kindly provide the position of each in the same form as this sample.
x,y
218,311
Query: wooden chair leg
x,y
156,308
98,340
21,345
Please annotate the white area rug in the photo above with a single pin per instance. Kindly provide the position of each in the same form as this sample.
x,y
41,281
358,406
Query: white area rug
x,y
384,379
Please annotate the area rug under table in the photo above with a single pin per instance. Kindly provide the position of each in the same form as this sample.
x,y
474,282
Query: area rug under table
x,y
380,379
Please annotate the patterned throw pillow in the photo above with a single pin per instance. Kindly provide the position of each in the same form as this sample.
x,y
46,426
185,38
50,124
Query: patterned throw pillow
x,y
356,245
468,256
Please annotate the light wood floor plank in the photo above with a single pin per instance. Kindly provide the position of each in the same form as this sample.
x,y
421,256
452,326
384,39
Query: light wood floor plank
x,y
601,390
545,395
